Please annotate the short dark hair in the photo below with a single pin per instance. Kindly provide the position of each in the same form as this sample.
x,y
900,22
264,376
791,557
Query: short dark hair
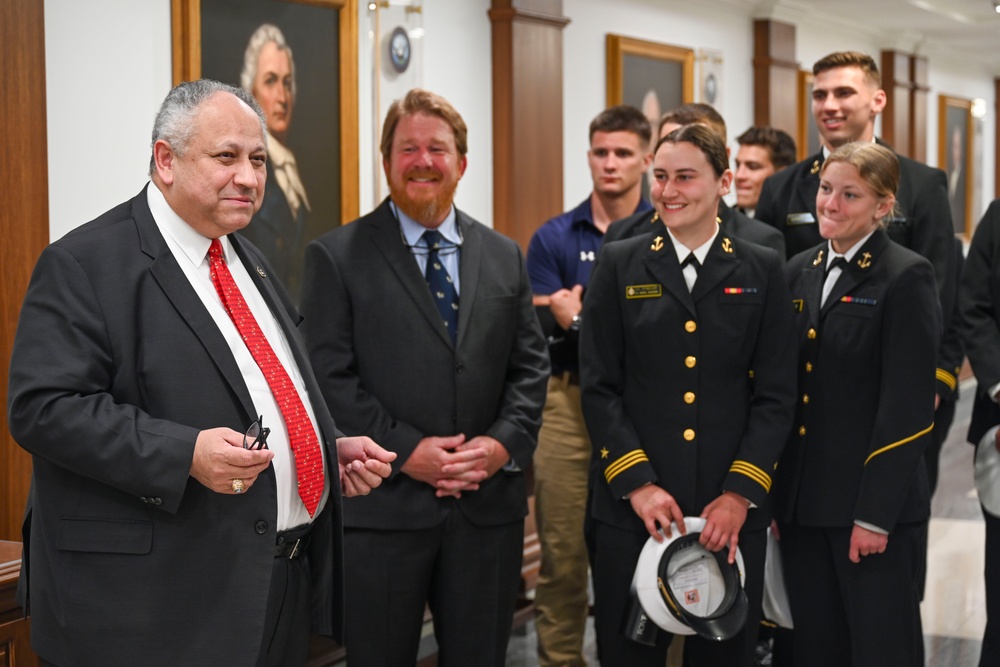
x,y
174,122
779,144
695,112
422,101
862,61
622,118
704,139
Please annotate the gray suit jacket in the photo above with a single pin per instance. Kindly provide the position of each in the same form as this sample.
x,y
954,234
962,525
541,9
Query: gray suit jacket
x,y
388,369
117,366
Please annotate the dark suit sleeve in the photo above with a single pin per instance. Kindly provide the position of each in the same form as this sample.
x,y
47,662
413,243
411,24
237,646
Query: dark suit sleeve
x,y
911,333
773,404
328,327
952,352
60,406
978,300
520,412
626,466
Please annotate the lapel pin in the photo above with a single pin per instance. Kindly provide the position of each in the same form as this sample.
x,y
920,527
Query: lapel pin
x,y
657,244
261,272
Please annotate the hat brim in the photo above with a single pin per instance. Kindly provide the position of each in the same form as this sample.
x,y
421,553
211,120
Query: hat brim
x,y
714,626
987,473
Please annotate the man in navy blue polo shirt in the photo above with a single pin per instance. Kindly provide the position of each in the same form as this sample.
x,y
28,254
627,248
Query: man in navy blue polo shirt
x,y
560,258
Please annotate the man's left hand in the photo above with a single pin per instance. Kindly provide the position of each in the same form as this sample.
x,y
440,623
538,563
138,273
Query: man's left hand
x,y
494,454
724,518
363,465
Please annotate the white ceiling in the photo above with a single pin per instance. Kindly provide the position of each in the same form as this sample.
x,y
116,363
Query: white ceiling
x,y
967,30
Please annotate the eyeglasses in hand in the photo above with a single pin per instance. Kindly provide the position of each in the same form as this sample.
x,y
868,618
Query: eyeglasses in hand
x,y
256,436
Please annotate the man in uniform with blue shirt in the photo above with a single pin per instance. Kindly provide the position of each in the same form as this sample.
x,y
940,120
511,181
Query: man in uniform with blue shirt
x,y
560,258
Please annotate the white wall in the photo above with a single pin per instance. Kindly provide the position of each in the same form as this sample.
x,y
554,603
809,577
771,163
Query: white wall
x,y
102,98
704,24
107,68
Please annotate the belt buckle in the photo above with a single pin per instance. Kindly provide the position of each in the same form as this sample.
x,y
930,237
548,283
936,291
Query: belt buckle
x,y
295,549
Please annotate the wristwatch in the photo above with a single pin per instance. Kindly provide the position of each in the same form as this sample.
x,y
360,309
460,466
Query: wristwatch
x,y
574,325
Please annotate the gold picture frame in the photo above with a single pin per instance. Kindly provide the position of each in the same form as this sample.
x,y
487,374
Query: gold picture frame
x,y
636,68
955,149
186,29
807,140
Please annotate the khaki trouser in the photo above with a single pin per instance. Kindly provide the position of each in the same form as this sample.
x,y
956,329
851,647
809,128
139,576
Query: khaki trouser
x,y
562,464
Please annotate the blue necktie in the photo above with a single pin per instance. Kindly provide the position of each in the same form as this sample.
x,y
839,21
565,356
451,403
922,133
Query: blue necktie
x,y
441,284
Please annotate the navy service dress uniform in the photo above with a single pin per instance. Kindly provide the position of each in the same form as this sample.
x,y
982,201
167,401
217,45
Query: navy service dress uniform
x,y
864,418
691,390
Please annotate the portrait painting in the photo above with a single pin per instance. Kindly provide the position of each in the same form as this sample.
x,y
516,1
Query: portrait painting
x,y
955,157
288,54
652,77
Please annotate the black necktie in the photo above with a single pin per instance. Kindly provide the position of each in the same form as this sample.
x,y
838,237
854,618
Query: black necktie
x,y
840,261
692,261
441,284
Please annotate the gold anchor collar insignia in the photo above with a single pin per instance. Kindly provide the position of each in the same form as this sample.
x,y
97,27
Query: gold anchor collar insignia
x,y
656,216
727,245
819,259
815,167
657,244
866,260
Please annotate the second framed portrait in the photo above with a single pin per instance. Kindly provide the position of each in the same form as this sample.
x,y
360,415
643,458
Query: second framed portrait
x,y
955,137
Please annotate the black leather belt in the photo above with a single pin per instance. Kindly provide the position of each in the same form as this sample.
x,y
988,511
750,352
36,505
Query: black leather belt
x,y
292,543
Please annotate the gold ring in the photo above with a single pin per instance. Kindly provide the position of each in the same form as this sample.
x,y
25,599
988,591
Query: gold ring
x,y
238,486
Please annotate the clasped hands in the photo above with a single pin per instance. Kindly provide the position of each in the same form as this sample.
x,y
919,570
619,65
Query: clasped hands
x,y
219,458
724,517
453,465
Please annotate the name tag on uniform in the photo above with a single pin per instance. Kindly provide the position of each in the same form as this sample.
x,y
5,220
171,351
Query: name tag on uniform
x,y
643,291
800,219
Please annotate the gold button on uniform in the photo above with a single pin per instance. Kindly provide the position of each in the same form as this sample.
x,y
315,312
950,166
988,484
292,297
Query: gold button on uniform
x,y
690,326
805,398
689,397
809,367
690,362
802,430
811,334
689,434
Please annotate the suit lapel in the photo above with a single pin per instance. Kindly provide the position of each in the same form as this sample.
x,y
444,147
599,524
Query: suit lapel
x,y
661,262
388,238
468,269
720,261
857,271
175,285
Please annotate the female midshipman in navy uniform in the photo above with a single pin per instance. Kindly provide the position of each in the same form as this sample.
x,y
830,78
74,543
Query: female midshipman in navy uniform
x,y
852,492
687,380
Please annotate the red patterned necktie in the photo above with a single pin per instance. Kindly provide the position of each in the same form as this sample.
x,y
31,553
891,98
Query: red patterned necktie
x,y
301,434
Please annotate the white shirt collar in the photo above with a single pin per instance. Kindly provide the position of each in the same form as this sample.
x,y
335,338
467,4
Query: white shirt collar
x,y
193,245
699,253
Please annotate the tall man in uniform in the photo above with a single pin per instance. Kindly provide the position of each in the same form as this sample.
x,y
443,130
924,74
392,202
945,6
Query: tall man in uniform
x,y
732,221
150,341
560,257
421,329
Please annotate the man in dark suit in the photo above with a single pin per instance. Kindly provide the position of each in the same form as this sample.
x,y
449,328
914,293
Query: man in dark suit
x,y
153,536
732,221
980,312
420,325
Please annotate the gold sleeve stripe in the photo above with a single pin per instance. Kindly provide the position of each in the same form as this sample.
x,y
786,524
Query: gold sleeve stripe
x,y
634,457
753,472
899,442
947,378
